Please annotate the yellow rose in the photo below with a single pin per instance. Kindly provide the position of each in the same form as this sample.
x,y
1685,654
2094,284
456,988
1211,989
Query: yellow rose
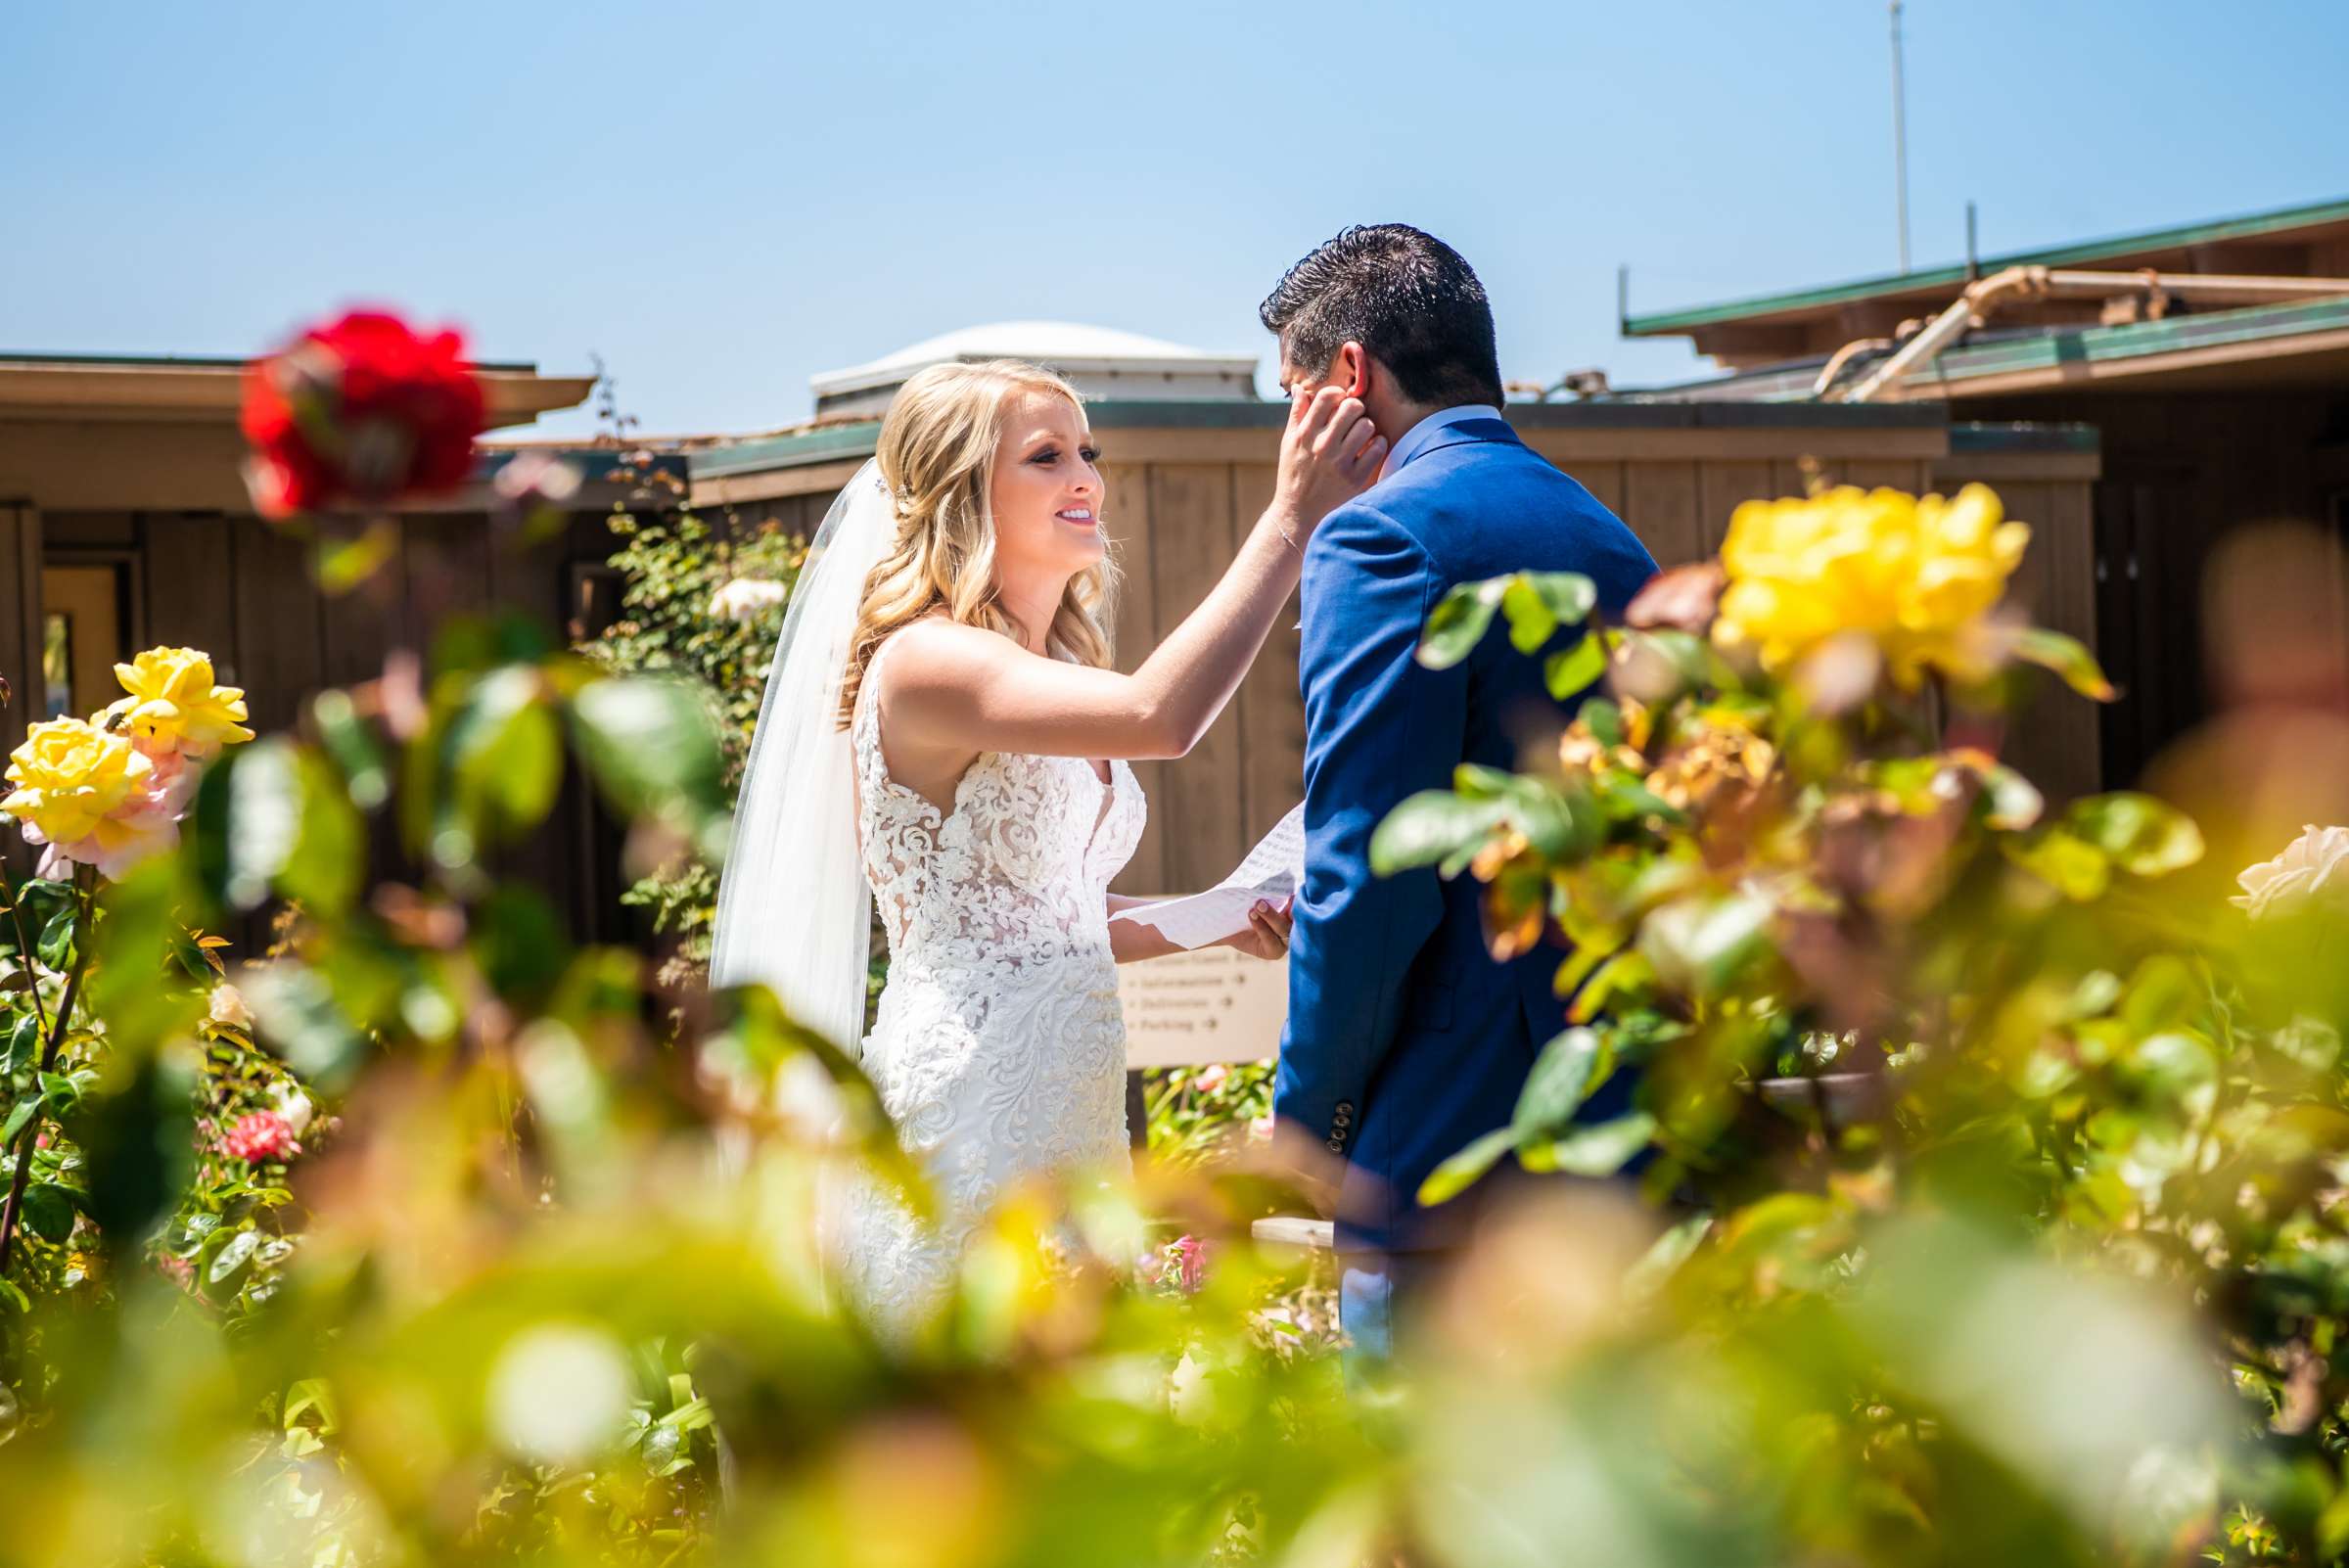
x,y
1916,575
173,704
87,794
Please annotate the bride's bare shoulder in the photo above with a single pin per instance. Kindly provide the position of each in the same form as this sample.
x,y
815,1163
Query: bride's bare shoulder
x,y
936,656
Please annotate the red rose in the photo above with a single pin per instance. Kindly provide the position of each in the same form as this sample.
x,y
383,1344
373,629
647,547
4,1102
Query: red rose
x,y
257,1136
363,408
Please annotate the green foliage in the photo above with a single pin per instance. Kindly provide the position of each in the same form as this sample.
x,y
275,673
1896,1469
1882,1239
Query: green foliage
x,y
2031,1091
672,565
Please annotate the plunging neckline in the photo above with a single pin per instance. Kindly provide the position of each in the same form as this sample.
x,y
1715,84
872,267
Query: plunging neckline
x,y
940,816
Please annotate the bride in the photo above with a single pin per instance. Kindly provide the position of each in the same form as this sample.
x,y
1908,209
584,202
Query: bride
x,y
941,732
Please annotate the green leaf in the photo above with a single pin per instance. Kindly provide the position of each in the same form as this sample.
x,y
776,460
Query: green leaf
x,y
24,1045
343,564
1604,719
1627,971
1457,1174
1593,1151
1459,621
20,1116
230,1254
1561,824
519,940
2015,801
1476,782
1698,945
2144,836
298,1012
273,816
653,749
1530,622
1663,1259
1428,826
48,1211
40,901
1569,1068
2073,866
1626,799
15,1295
1575,669
2067,657
353,746
58,930
505,755
1568,596
307,1395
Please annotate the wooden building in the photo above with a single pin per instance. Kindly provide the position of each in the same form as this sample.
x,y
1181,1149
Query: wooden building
x,y
2211,361
125,524
1185,478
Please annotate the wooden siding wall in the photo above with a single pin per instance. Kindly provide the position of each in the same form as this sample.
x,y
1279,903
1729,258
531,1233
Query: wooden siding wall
x,y
2181,472
242,591
19,650
1174,525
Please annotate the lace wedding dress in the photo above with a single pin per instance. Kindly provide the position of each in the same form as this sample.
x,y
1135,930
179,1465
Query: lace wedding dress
x,y
999,1049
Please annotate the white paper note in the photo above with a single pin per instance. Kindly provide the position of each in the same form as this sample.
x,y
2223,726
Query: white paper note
x,y
1271,871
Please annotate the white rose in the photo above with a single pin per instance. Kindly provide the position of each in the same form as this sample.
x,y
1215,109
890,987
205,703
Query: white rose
x,y
228,1007
746,599
2308,869
291,1103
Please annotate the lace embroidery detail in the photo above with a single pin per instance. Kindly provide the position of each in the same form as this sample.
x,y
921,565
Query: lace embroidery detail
x,y
998,1047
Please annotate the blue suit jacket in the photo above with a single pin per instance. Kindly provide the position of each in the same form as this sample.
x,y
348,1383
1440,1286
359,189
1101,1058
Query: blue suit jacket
x,y
1405,1041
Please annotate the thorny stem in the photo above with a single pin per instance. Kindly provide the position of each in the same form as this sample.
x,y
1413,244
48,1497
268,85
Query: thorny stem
x,y
82,878
32,965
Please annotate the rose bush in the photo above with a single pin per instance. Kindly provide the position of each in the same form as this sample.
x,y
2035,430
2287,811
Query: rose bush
x,y
470,1241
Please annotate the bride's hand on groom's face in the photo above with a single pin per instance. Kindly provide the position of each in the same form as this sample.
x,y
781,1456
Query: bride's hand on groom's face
x,y
1330,454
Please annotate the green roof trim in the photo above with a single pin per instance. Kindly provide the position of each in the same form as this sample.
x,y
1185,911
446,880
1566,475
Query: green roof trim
x,y
1789,386
830,444
1974,437
2247,226
2136,340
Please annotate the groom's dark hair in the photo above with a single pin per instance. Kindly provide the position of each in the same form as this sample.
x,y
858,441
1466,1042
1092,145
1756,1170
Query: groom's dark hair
x,y
1407,297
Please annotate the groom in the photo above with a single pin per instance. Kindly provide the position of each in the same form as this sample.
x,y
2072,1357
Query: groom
x,y
1405,1040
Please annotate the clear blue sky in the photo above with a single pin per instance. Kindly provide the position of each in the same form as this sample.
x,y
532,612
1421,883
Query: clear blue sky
x,y
724,198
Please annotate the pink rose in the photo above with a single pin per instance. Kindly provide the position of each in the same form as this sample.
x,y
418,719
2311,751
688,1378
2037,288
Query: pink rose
x,y
257,1136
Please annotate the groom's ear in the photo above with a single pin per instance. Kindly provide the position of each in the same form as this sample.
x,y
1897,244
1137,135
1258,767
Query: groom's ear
x,y
1350,368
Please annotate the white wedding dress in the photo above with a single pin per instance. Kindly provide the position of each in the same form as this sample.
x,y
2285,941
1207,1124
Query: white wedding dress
x,y
999,1049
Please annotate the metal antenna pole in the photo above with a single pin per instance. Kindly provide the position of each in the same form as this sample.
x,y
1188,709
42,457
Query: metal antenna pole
x,y
1900,137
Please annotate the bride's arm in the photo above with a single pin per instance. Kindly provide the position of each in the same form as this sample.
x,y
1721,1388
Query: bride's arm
x,y
1267,936
964,689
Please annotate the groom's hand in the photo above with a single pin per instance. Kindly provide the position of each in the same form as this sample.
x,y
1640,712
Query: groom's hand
x,y
1330,454
1300,1160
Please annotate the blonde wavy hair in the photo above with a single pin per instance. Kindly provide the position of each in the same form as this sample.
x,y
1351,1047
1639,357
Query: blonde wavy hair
x,y
938,454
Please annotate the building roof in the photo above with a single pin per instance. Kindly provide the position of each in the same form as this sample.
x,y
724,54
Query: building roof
x,y
2303,344
1065,346
2321,220
172,387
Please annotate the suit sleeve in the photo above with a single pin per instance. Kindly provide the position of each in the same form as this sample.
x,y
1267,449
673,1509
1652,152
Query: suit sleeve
x,y
1379,728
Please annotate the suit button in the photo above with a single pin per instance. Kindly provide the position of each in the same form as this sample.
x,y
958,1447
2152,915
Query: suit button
x,y
1337,1143
1345,1108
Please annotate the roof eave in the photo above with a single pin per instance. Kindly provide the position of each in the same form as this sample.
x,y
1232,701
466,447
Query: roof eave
x,y
55,387
1764,309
